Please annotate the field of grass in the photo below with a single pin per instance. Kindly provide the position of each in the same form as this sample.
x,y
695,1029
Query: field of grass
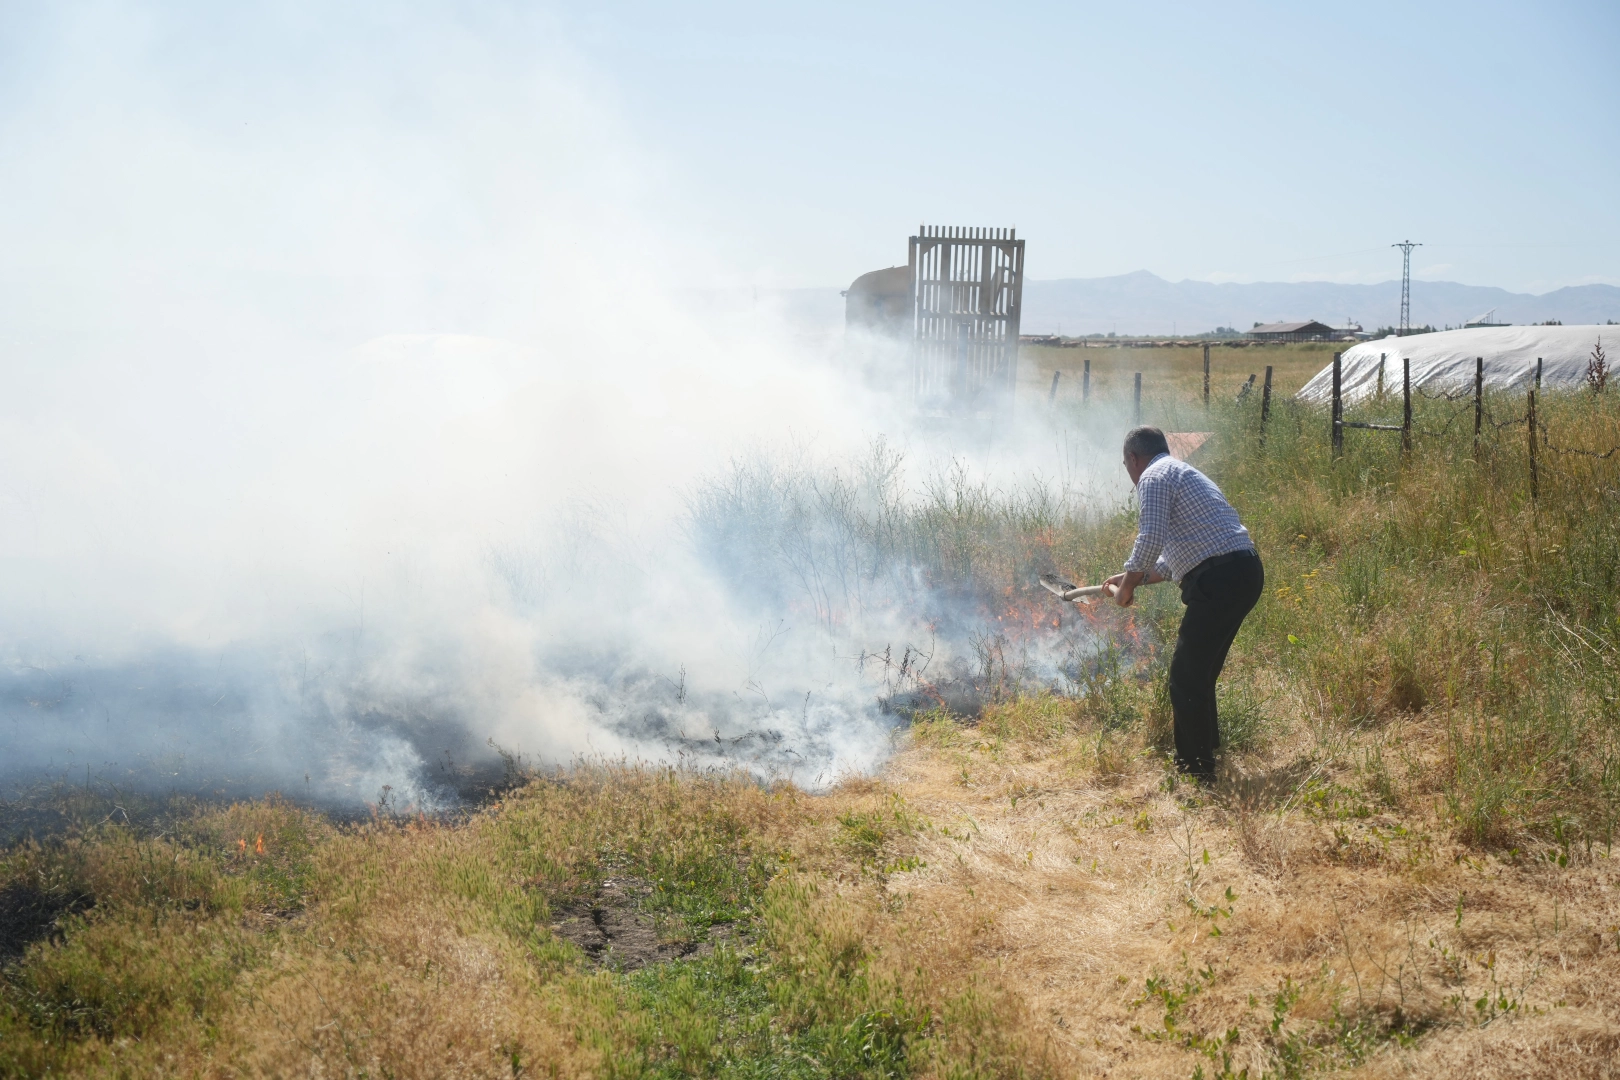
x,y
1405,869
1170,375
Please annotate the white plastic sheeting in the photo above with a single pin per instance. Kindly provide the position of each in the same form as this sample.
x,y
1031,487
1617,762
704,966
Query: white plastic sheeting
x,y
1443,362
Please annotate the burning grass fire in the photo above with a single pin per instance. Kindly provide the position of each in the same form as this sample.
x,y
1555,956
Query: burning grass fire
x,y
805,611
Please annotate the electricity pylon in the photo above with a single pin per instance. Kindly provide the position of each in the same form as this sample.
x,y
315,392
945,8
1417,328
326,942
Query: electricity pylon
x,y
1406,247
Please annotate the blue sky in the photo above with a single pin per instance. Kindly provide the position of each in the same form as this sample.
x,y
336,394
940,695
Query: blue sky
x,y
798,145
1233,141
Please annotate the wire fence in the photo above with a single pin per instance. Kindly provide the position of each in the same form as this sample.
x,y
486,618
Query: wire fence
x,y
1475,404
1599,455
1541,426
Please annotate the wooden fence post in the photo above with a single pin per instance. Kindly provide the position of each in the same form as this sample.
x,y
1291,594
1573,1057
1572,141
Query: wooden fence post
x,y
1381,357
1338,406
1051,395
1530,415
1085,384
1538,390
1206,376
1406,411
1479,400
1265,405
1138,399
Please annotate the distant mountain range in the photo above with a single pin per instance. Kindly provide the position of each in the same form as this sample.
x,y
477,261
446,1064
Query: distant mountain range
x,y
1144,303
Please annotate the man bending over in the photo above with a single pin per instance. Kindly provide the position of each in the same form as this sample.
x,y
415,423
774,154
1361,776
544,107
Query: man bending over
x,y
1189,534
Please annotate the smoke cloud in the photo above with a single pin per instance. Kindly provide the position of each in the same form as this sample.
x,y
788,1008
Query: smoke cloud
x,y
356,427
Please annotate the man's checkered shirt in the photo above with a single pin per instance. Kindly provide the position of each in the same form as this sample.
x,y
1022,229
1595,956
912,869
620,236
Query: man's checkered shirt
x,y
1185,519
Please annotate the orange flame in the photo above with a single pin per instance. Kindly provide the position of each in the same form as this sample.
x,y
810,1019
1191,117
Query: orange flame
x,y
241,847
1028,616
258,845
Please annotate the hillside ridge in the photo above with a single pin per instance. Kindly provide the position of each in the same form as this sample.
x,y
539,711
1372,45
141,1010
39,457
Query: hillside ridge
x,y
1143,302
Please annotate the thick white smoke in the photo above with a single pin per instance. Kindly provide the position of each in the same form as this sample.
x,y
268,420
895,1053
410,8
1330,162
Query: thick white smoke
x,y
354,420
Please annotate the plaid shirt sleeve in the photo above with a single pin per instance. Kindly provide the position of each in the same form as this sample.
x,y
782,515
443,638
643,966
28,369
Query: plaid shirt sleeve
x,y
1184,520
1153,524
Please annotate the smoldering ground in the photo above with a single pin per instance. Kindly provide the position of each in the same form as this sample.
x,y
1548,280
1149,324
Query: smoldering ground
x,y
786,617
353,432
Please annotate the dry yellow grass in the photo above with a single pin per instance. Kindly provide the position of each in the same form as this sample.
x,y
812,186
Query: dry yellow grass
x,y
1089,885
1168,372
1026,897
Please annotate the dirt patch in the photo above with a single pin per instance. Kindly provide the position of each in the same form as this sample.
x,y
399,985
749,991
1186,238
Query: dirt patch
x,y
29,914
614,932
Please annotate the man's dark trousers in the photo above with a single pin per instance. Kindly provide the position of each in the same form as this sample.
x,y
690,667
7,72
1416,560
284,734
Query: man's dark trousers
x,y
1217,597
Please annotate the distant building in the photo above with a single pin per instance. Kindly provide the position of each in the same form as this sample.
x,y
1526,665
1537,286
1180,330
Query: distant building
x,y
1487,319
1297,331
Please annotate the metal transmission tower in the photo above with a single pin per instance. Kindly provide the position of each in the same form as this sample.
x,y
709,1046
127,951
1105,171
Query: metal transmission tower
x,y
1406,247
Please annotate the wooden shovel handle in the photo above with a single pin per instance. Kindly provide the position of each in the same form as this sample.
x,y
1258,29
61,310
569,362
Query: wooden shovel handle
x,y
1086,591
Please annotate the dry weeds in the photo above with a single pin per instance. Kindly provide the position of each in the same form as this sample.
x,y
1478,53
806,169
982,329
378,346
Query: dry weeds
x,y
995,902
1299,939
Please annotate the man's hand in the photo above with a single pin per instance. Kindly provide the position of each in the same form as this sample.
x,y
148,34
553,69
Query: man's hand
x,y
1125,585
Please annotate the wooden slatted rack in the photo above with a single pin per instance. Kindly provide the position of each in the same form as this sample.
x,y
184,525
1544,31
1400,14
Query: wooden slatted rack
x,y
967,287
